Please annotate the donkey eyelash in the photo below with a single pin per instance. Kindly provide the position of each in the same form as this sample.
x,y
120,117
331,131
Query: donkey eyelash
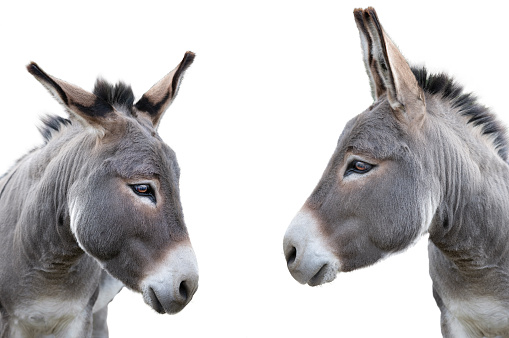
x,y
358,167
144,190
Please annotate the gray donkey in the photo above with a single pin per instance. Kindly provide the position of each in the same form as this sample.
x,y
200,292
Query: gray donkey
x,y
94,208
424,158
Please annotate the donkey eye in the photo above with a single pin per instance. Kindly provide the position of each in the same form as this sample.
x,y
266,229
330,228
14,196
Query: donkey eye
x,y
358,167
361,166
144,190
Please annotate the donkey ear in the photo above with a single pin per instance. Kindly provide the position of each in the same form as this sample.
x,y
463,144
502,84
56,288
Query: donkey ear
x,y
388,70
78,102
158,98
375,81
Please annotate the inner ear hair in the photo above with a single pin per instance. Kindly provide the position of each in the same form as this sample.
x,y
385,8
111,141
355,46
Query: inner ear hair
x,y
380,54
371,63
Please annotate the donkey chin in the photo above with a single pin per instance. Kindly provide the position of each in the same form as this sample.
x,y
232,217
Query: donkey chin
x,y
308,258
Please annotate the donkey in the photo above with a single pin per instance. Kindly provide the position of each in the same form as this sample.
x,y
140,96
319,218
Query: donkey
x,y
424,158
95,208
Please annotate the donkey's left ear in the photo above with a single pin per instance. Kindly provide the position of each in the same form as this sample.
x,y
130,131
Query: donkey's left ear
x,y
158,98
388,70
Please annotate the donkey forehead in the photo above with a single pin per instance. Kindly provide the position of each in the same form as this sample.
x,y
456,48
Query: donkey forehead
x,y
140,151
375,133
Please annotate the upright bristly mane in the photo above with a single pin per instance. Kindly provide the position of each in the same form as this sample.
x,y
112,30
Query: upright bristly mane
x,y
467,105
51,124
120,95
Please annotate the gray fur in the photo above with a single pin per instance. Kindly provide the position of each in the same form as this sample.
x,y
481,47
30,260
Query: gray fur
x,y
437,169
71,227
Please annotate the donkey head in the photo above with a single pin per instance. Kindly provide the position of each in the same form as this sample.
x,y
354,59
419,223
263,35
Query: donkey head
x,y
371,200
123,202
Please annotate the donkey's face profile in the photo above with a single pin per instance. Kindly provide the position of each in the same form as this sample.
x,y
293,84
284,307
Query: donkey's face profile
x,y
371,200
425,157
355,215
122,201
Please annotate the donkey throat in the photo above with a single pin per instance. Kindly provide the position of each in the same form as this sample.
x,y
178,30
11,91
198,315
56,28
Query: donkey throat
x,y
481,315
110,287
48,315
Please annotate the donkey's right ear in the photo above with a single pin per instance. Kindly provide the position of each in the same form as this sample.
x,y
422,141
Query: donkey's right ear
x,y
78,102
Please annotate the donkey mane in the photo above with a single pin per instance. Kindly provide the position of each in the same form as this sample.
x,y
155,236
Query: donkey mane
x,y
51,124
467,105
120,95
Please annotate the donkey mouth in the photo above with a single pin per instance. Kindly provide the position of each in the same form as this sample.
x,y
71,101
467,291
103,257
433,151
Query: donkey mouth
x,y
308,256
173,282
326,274
163,303
154,302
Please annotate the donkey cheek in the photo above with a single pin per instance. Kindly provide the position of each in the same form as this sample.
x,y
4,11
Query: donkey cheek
x,y
100,243
103,232
126,267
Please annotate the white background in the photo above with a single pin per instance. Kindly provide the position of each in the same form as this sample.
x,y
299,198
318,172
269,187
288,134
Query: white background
x,y
255,122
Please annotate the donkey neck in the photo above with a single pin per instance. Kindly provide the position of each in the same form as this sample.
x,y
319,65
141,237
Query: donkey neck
x,y
46,175
471,182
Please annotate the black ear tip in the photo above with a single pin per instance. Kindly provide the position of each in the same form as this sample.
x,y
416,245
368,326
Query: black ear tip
x,y
372,13
357,14
187,60
33,68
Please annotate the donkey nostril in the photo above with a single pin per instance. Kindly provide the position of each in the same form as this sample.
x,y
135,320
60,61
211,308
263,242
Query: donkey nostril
x,y
184,290
292,254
